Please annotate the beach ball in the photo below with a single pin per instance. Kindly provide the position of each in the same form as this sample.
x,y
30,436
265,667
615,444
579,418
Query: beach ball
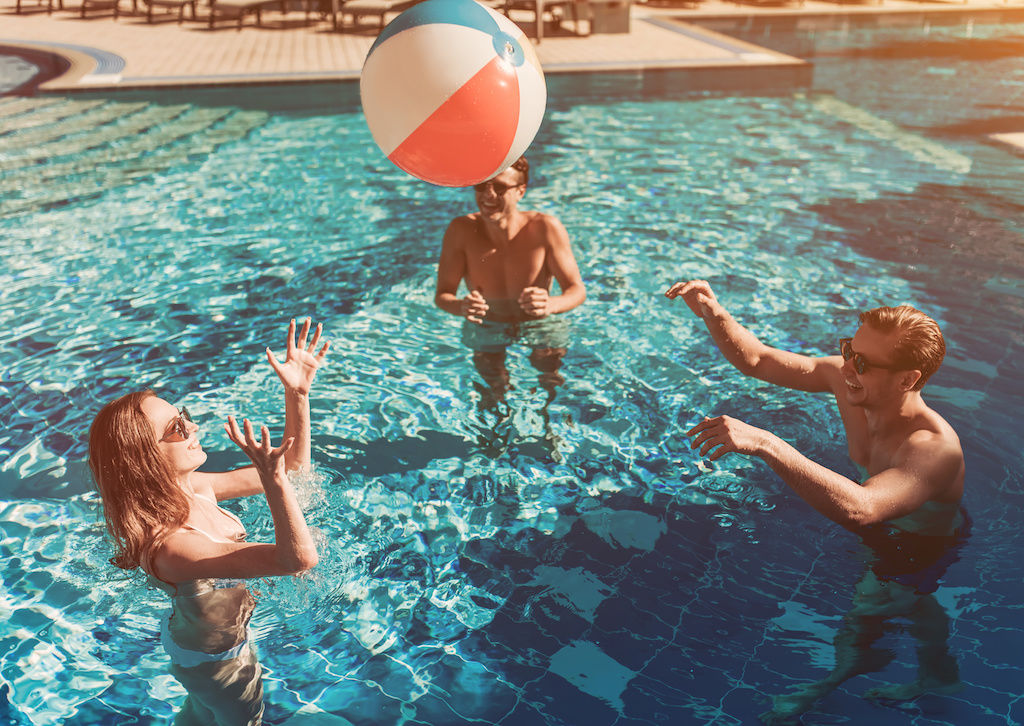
x,y
453,92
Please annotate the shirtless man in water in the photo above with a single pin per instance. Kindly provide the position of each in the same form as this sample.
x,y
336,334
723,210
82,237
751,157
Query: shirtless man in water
x,y
907,509
509,258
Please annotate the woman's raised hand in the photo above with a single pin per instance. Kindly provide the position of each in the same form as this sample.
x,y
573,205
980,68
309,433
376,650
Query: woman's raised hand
x,y
302,360
267,459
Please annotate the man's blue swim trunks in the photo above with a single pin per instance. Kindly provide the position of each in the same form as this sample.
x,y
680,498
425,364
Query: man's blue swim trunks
x,y
914,560
494,337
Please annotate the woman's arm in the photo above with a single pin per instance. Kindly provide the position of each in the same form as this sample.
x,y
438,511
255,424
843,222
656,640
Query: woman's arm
x,y
189,555
296,373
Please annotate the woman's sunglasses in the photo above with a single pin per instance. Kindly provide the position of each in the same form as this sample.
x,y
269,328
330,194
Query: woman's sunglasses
x,y
860,363
498,187
177,429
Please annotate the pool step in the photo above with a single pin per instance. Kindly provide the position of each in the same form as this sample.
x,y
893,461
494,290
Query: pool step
x,y
94,139
43,117
65,152
13,106
31,136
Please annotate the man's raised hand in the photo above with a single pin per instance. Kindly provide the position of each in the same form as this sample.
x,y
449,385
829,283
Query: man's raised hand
x,y
725,434
695,293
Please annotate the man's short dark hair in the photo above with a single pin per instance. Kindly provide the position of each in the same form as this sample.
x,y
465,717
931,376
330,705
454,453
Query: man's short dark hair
x,y
523,167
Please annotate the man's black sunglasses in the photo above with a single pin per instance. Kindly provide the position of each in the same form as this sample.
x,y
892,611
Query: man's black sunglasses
x,y
498,187
860,363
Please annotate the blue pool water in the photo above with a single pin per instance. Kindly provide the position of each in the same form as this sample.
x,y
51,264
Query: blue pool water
x,y
579,566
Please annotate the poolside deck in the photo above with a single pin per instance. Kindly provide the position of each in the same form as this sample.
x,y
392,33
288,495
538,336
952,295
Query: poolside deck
x,y
130,53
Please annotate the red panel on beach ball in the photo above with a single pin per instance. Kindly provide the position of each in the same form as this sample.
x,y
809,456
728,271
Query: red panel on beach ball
x,y
452,91
439,150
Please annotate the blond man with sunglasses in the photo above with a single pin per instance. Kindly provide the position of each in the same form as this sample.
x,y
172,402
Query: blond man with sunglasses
x,y
509,259
910,454
907,509
163,516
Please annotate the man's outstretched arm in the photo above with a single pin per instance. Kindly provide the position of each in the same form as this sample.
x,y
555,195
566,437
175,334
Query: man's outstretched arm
x,y
919,472
748,354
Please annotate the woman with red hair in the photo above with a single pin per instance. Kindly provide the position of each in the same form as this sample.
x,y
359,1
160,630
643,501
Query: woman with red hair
x,y
163,516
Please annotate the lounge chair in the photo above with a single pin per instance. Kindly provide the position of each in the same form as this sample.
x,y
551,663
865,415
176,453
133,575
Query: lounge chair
x,y
88,5
40,3
800,3
579,9
238,8
179,4
380,8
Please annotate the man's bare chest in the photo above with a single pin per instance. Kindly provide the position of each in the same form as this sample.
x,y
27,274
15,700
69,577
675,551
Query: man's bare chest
x,y
873,452
514,263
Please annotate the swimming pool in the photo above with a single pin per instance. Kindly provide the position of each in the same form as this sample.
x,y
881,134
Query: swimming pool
x,y
579,567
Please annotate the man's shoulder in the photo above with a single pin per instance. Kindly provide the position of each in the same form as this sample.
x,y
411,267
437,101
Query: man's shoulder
x,y
934,442
932,437
462,228
465,221
545,225
935,460
536,217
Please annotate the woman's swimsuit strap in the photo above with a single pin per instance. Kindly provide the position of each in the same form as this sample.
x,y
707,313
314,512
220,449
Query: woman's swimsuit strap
x,y
220,508
207,534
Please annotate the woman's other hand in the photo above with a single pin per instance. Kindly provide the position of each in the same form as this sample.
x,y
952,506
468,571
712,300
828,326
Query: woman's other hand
x,y
268,460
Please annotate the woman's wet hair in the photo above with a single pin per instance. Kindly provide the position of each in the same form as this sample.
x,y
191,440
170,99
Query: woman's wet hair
x,y
920,345
142,501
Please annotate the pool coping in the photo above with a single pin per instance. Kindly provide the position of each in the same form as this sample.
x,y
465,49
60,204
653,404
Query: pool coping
x,y
864,9
92,69
76,68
